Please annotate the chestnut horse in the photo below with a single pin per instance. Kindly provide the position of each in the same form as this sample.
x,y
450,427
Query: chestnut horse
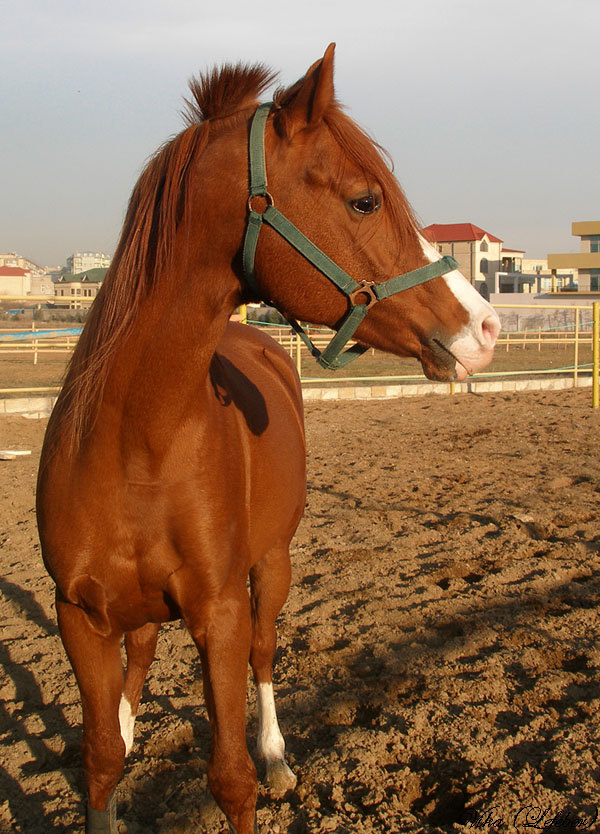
x,y
174,464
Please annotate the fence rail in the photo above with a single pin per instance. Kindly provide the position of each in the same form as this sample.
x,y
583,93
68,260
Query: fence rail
x,y
581,334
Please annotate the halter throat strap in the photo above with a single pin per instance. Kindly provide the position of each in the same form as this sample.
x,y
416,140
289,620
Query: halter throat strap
x,y
361,295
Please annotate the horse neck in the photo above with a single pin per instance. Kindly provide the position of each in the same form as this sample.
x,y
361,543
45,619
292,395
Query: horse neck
x,y
163,365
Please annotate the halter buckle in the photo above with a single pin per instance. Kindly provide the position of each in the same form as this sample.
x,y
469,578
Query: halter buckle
x,y
266,196
365,288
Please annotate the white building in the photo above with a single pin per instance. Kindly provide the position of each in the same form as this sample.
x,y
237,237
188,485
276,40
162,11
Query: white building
x,y
14,259
84,261
15,281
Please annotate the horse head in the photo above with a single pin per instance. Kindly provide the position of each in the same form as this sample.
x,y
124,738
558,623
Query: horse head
x,y
329,179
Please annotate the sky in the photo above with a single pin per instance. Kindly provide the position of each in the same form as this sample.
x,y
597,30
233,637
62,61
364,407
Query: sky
x,y
489,109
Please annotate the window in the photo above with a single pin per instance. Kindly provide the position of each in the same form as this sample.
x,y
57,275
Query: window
x,y
483,266
595,280
484,246
595,244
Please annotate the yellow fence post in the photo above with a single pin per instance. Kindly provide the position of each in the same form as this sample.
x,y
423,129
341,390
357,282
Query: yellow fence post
x,y
596,352
299,354
576,356
35,345
244,314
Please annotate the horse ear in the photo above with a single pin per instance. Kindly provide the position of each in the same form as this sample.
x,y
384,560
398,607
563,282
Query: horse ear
x,y
304,104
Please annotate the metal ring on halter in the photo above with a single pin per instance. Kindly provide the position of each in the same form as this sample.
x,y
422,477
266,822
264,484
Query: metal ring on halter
x,y
364,288
267,196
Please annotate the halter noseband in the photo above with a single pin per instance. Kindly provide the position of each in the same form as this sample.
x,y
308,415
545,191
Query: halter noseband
x,y
361,294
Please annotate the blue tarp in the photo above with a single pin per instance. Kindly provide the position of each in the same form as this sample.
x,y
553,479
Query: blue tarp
x,y
27,335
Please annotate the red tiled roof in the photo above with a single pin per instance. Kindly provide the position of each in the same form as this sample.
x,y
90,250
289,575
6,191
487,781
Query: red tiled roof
x,y
449,232
12,270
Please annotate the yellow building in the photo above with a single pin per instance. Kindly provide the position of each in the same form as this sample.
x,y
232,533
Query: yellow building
x,y
78,291
586,262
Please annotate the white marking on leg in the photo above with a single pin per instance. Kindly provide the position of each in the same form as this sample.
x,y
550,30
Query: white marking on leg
x,y
270,743
126,723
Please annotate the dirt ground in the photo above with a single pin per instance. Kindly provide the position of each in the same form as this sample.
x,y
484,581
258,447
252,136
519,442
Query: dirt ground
x,y
439,653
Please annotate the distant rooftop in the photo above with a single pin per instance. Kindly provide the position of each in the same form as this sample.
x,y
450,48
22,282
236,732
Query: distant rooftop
x,y
13,270
89,276
449,232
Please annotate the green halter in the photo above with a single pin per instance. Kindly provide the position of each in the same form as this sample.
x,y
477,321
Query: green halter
x,y
362,295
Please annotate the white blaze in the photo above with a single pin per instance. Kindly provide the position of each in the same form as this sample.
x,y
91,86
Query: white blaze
x,y
472,347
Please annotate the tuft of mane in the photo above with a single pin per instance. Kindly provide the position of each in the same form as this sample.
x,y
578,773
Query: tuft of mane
x,y
156,208
225,90
145,248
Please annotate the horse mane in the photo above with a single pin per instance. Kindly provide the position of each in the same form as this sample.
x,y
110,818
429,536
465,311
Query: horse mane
x,y
145,248
220,100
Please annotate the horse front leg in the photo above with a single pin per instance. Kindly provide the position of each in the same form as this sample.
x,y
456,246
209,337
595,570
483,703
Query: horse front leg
x,y
222,635
270,584
96,661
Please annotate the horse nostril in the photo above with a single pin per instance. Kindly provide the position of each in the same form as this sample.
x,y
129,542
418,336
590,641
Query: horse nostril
x,y
490,329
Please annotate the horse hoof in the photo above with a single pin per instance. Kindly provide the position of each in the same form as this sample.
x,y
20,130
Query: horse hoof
x,y
233,831
102,822
279,777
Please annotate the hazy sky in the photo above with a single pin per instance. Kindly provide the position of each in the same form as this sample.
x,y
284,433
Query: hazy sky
x,y
489,109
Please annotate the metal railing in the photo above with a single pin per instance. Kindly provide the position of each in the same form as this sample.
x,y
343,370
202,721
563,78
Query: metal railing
x,y
581,333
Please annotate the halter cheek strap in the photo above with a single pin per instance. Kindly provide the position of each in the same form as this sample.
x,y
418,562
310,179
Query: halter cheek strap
x,y
362,295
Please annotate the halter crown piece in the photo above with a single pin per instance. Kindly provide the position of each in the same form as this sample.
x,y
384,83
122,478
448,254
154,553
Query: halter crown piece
x,y
333,356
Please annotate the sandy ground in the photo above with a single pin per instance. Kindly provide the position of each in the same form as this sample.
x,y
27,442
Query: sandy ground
x,y
439,653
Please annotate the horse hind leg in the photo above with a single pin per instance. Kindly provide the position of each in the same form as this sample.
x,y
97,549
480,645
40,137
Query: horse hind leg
x,y
140,646
96,661
269,583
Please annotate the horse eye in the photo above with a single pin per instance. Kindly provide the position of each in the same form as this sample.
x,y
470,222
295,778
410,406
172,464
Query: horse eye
x,y
366,205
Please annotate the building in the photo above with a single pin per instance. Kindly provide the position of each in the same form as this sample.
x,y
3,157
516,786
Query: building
x,y
586,261
84,261
539,268
15,281
481,257
14,259
42,285
78,291
479,254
